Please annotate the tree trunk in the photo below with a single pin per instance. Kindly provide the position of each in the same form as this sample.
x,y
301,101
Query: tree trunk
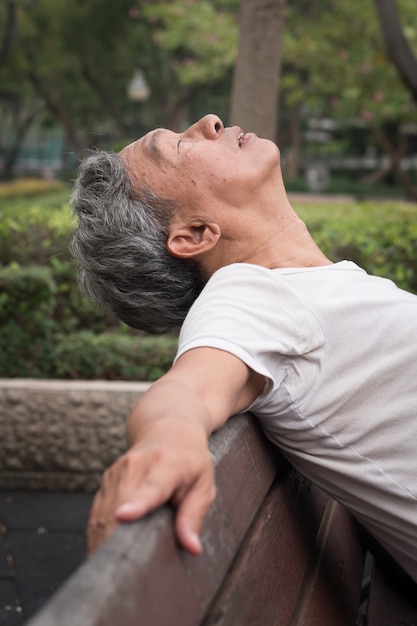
x,y
9,32
292,162
254,104
397,45
175,110
395,156
58,110
109,103
11,156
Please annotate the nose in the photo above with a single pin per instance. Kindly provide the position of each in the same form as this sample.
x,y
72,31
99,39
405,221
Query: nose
x,y
209,126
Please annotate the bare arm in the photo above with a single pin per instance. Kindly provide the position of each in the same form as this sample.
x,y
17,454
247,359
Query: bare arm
x,y
168,458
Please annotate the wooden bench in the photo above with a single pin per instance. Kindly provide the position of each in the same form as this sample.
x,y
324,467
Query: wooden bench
x,y
278,551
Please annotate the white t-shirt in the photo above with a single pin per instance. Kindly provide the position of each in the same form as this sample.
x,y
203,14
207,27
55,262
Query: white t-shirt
x,y
338,350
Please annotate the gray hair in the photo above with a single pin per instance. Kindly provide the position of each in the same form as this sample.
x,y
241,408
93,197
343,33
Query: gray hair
x,y
119,244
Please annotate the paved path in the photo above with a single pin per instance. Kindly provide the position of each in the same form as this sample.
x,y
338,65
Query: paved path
x,y
42,541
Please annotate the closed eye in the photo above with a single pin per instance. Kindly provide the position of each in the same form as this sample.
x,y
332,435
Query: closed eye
x,y
178,144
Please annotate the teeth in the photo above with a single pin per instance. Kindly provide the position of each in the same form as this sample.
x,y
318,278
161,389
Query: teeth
x,y
240,138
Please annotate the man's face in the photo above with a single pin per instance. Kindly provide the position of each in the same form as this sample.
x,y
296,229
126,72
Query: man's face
x,y
205,167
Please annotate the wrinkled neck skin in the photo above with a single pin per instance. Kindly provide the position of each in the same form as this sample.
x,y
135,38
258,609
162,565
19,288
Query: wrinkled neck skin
x,y
269,234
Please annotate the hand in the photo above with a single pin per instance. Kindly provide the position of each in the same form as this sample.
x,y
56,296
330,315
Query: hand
x,y
169,462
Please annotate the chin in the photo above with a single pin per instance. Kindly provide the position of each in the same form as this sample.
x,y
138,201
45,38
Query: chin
x,y
271,149
269,144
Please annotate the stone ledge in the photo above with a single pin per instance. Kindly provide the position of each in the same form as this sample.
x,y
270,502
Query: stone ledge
x,y
58,434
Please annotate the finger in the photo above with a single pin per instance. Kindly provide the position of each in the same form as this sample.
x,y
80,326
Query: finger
x,y
156,489
97,534
134,508
96,528
191,514
102,519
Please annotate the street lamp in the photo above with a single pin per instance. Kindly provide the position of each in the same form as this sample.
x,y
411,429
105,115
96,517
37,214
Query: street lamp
x,y
138,92
138,89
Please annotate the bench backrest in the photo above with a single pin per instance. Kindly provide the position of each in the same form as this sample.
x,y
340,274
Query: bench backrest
x,y
277,551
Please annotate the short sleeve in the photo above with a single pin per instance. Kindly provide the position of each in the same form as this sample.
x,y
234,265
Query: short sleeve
x,y
251,312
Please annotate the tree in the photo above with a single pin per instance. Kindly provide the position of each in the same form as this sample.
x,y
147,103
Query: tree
x,y
196,44
9,19
336,66
75,64
17,117
254,101
397,45
47,71
74,60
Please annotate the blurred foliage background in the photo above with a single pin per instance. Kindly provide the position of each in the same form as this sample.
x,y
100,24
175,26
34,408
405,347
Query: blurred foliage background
x,y
49,331
346,125
68,67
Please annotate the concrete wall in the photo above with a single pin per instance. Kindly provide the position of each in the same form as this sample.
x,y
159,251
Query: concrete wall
x,y
61,435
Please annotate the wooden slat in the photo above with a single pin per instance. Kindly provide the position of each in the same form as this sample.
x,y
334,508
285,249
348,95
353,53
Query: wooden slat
x,y
264,584
331,590
139,577
297,567
387,606
246,465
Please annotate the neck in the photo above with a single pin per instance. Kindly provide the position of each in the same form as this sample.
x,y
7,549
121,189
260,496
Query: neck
x,y
279,240
289,246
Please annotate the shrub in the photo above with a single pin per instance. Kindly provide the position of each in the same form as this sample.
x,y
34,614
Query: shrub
x,y
26,295
27,328
379,236
35,232
114,356
50,331
38,232
72,310
33,343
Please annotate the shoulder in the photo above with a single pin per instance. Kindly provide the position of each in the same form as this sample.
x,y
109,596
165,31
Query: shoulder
x,y
246,304
241,273
241,282
243,287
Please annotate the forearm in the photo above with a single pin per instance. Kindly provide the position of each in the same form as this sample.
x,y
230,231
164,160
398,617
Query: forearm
x,y
168,461
168,458
170,399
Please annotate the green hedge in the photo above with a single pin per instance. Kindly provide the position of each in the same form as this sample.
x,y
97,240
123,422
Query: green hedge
x,y
49,331
28,331
34,344
379,236
37,232
108,356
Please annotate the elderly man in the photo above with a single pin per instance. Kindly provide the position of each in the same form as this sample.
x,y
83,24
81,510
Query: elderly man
x,y
197,226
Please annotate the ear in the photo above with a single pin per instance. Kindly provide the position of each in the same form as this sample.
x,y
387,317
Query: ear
x,y
189,241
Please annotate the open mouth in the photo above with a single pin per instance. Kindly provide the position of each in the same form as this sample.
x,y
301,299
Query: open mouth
x,y
241,139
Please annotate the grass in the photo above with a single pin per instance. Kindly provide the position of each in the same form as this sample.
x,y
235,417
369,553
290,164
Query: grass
x,y
54,198
29,187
